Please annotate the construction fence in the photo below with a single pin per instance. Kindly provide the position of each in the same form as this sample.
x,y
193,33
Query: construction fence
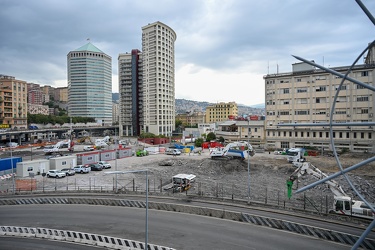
x,y
309,201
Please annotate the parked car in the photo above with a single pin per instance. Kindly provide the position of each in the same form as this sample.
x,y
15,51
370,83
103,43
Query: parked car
x,y
88,148
82,169
95,167
104,164
68,171
55,174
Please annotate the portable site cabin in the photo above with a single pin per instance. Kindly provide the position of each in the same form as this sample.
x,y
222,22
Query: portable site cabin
x,y
88,158
124,152
7,163
153,150
107,155
35,167
69,161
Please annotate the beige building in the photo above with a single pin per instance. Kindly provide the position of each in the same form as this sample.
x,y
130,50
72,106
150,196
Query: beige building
x,y
252,131
306,94
221,112
158,58
191,119
115,112
61,94
13,102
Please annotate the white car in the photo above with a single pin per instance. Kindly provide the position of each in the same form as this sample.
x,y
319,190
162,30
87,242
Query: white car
x,y
104,164
88,148
81,169
55,174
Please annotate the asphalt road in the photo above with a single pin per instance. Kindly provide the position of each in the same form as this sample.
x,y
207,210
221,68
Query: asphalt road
x,y
180,231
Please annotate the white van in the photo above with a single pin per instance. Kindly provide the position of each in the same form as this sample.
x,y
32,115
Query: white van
x,y
12,144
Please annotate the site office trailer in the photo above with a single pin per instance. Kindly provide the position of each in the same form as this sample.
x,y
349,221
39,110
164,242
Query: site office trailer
x,y
88,158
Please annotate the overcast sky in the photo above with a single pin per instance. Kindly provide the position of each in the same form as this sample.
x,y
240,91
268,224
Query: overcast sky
x,y
223,48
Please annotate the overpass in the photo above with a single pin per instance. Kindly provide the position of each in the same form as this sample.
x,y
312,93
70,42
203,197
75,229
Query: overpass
x,y
25,136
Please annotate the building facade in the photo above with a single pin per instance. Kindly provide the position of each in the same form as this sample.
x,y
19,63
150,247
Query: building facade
x,y
34,94
130,72
90,84
13,103
115,113
158,78
306,95
251,130
221,112
191,119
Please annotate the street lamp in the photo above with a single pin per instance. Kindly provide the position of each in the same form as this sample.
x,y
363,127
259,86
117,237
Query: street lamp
x,y
138,171
248,163
11,162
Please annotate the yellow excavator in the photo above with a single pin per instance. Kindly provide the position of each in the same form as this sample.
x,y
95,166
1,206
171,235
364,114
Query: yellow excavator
x,y
83,139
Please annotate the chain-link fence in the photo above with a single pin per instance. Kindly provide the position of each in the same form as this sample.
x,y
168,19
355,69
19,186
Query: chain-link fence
x,y
309,201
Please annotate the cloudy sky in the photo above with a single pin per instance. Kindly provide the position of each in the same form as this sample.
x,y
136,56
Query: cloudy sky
x,y
223,47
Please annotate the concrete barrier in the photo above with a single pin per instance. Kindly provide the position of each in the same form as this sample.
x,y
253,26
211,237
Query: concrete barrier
x,y
77,237
237,216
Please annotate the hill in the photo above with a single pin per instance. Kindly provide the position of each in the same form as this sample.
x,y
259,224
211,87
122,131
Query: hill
x,y
183,106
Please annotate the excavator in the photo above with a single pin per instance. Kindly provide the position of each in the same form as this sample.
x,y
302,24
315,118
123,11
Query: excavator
x,y
343,204
238,149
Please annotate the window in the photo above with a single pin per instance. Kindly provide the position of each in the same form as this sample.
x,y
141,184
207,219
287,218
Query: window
x,y
369,135
362,135
362,99
364,111
302,134
29,169
321,88
286,91
364,73
320,134
302,90
327,134
295,134
347,134
354,135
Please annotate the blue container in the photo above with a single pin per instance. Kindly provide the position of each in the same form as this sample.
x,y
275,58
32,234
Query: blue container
x,y
6,163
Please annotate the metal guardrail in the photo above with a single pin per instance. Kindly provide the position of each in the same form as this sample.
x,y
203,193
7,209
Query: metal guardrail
x,y
77,237
298,228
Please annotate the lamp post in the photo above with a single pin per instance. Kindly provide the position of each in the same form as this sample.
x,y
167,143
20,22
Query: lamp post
x,y
248,163
138,171
11,162
31,147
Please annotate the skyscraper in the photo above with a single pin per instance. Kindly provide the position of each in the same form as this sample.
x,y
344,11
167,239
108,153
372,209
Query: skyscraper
x,y
158,78
131,91
147,84
90,84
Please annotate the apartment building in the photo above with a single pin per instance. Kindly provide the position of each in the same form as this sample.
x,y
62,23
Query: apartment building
x,y
13,102
158,78
90,84
115,113
130,73
191,118
306,95
61,94
34,94
221,112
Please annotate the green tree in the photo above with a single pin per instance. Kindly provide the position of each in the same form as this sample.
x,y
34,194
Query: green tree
x,y
221,139
199,142
210,137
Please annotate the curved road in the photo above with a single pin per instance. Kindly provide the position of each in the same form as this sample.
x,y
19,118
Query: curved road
x,y
180,231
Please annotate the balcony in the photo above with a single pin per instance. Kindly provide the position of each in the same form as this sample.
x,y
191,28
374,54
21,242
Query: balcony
x,y
225,133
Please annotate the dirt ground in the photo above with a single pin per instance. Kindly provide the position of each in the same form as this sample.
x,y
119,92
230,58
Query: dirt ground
x,y
267,171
